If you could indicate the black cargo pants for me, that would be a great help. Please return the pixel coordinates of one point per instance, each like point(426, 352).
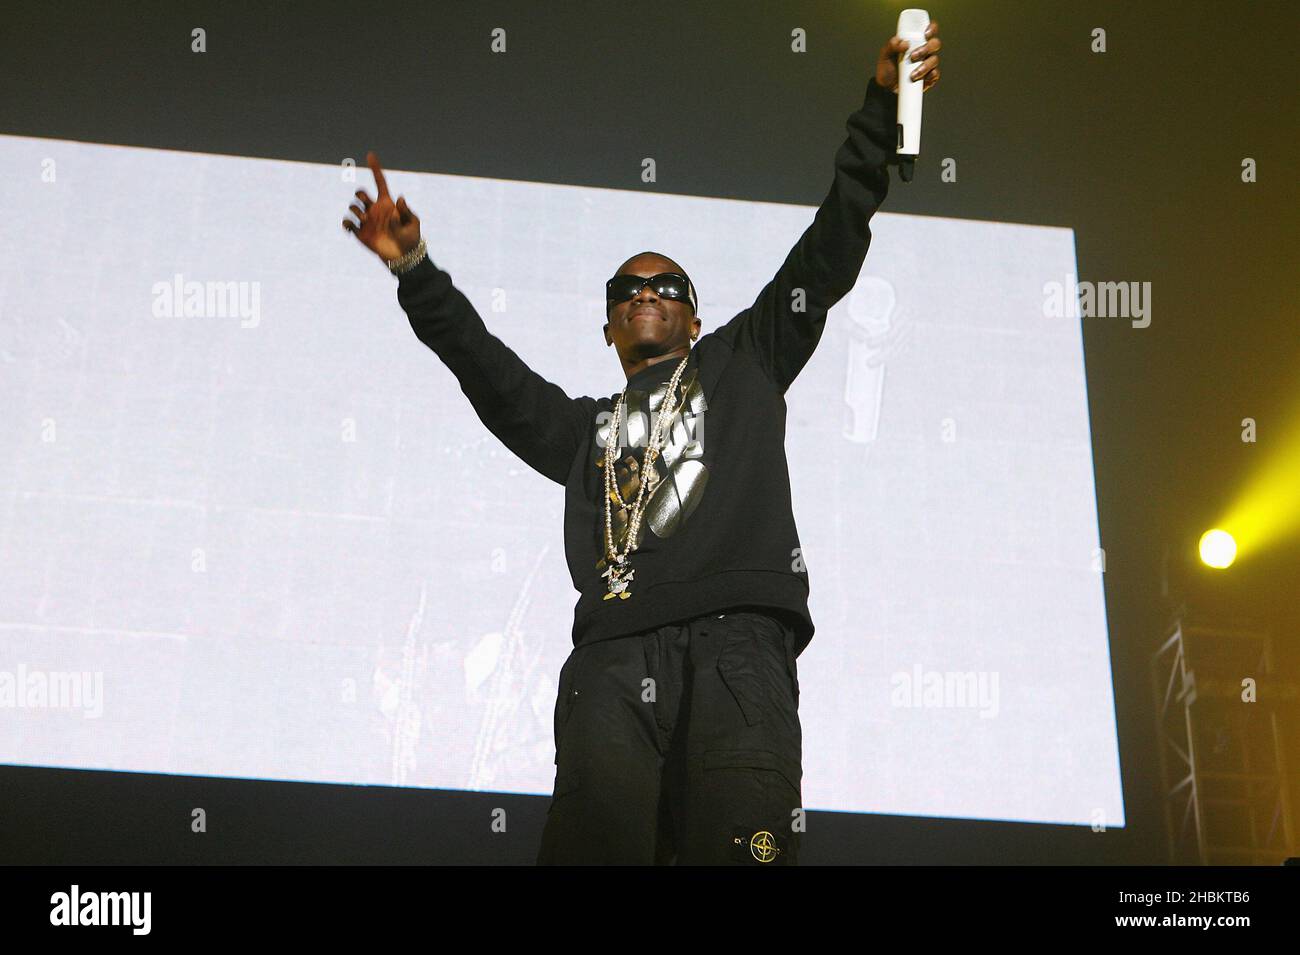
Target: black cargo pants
point(680, 745)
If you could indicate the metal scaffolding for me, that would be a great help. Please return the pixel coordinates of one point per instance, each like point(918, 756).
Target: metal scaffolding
point(1222, 760)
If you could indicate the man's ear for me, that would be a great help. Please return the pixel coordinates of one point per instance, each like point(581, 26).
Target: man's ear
point(606, 331)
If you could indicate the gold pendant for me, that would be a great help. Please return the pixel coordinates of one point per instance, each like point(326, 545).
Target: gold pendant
point(617, 582)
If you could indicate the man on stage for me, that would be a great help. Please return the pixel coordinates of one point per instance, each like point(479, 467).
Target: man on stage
point(677, 728)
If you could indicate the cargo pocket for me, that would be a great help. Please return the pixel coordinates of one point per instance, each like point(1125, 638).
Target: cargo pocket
point(739, 677)
point(755, 799)
point(757, 664)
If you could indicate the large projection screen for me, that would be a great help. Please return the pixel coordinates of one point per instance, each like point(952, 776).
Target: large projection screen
point(272, 540)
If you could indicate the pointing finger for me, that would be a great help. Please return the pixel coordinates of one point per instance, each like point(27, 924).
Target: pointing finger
point(380, 182)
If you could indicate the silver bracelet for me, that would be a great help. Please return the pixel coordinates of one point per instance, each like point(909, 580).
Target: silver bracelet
point(410, 260)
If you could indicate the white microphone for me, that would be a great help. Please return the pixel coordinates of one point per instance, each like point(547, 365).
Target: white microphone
point(911, 27)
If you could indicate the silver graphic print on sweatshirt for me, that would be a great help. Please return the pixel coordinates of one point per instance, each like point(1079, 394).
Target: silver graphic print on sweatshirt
point(677, 478)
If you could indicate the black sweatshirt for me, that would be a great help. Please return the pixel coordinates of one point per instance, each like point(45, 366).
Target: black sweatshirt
point(718, 531)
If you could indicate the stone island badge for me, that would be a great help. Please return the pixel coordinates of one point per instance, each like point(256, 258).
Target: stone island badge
point(760, 847)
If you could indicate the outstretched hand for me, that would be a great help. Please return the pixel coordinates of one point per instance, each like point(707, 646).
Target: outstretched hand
point(388, 229)
point(927, 53)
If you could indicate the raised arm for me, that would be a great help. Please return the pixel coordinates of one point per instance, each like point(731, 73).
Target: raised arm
point(785, 323)
point(532, 417)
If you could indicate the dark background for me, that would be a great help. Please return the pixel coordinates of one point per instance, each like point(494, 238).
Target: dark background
point(1138, 150)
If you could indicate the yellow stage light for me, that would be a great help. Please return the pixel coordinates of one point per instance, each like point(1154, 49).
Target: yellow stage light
point(1218, 549)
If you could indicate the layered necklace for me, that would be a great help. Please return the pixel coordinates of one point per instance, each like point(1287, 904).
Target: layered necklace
point(619, 572)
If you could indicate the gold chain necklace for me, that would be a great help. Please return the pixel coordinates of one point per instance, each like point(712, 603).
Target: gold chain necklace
point(618, 572)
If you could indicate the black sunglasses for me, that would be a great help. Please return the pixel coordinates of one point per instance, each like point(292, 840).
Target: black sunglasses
point(672, 285)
